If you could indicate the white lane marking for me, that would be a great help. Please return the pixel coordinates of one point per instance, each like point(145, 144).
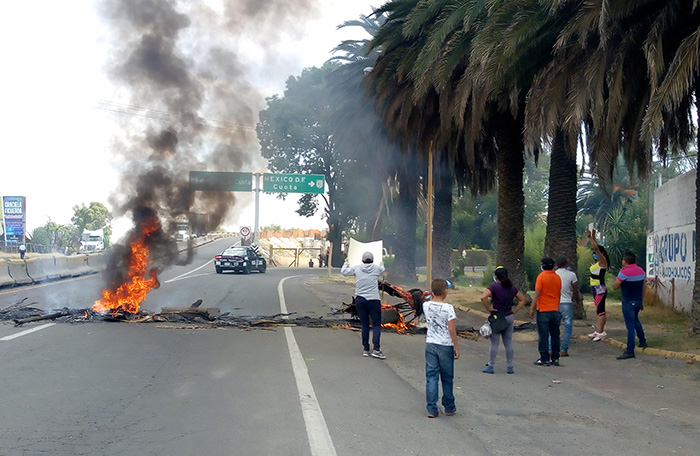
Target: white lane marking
point(320, 440)
point(195, 269)
point(28, 331)
point(188, 272)
point(190, 277)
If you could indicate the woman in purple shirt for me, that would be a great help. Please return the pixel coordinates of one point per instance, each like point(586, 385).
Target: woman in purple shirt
point(502, 293)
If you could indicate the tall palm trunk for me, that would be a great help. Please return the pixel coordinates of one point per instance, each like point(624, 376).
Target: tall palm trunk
point(404, 267)
point(695, 305)
point(511, 199)
point(442, 221)
point(561, 213)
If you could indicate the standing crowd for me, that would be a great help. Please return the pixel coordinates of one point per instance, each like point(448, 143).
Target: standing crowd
point(556, 291)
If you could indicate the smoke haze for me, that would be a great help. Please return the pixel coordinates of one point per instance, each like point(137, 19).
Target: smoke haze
point(187, 69)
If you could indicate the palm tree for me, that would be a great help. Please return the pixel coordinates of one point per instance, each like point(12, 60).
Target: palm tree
point(412, 121)
point(484, 55)
point(672, 51)
point(474, 137)
point(400, 175)
point(359, 135)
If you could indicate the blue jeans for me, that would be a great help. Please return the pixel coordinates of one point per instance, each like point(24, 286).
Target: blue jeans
point(367, 309)
point(439, 364)
point(548, 332)
point(630, 312)
point(566, 309)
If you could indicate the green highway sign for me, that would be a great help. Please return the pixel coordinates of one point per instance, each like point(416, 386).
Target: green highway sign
point(221, 181)
point(293, 183)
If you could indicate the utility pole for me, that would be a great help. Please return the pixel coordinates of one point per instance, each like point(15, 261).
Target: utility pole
point(257, 207)
point(429, 247)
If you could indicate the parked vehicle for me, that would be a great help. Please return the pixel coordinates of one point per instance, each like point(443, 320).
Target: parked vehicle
point(239, 259)
point(92, 241)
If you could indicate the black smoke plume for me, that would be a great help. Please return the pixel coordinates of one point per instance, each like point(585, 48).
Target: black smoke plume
point(181, 68)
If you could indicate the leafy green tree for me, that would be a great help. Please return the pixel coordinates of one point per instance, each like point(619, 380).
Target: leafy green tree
point(55, 236)
point(474, 222)
point(296, 136)
point(93, 217)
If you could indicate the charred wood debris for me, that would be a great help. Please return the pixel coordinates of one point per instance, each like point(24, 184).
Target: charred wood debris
point(195, 317)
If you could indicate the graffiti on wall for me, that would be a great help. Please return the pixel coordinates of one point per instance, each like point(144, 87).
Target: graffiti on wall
point(674, 254)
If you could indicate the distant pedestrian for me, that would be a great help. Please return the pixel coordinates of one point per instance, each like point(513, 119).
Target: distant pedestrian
point(22, 250)
point(367, 301)
point(502, 293)
point(598, 287)
point(441, 350)
point(631, 282)
point(320, 260)
point(567, 298)
point(546, 302)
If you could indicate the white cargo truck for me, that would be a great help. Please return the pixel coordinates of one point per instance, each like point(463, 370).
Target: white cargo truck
point(92, 241)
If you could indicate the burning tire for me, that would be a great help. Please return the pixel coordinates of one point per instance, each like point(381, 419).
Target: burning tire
point(390, 316)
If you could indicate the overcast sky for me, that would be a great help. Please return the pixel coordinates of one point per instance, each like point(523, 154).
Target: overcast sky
point(56, 141)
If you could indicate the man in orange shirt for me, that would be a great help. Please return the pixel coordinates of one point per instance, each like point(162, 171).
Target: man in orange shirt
point(546, 301)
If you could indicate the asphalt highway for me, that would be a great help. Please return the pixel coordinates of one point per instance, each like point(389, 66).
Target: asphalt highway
point(155, 389)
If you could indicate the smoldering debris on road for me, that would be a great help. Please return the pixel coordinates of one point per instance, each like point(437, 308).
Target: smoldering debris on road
point(22, 312)
point(209, 317)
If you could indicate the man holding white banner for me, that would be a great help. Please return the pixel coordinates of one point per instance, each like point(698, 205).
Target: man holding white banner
point(367, 300)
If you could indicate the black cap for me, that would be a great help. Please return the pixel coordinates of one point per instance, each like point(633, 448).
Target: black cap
point(547, 263)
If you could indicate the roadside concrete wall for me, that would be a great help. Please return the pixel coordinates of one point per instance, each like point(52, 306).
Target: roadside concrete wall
point(42, 268)
point(97, 262)
point(18, 271)
point(6, 279)
point(671, 245)
point(39, 269)
point(75, 266)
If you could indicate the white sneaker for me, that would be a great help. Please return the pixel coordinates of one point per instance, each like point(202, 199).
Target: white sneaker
point(593, 334)
point(599, 336)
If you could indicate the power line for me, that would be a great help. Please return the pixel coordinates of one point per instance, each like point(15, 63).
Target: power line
point(165, 115)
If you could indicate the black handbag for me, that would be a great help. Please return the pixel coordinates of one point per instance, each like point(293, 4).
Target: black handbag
point(498, 322)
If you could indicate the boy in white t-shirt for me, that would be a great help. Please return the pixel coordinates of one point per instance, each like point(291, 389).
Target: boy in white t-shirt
point(441, 349)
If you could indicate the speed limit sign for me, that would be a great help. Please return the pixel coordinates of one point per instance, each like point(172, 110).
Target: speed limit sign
point(245, 231)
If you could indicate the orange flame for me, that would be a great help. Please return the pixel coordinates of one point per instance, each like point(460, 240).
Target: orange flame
point(400, 326)
point(130, 294)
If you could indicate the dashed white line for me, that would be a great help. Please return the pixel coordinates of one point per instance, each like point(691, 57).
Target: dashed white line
point(320, 440)
point(188, 272)
point(28, 331)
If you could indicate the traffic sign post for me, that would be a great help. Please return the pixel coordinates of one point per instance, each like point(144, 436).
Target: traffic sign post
point(221, 181)
point(245, 231)
point(294, 183)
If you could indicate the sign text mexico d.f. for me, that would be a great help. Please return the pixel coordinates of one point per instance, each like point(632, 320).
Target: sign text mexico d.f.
point(293, 183)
